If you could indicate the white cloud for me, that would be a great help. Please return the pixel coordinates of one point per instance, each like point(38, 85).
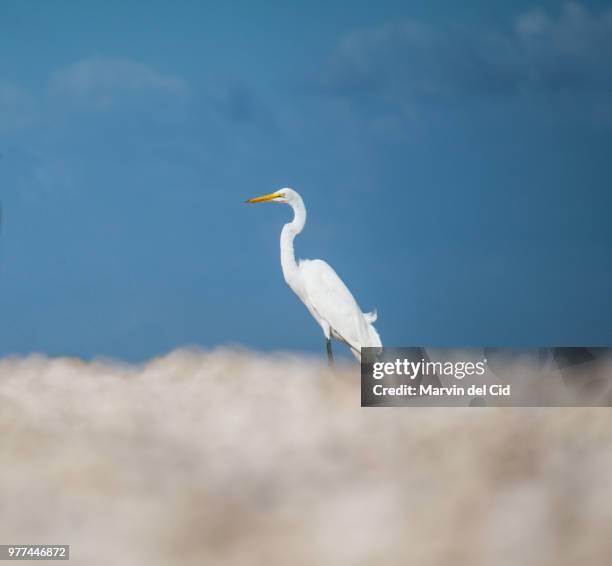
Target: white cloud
point(533, 22)
point(570, 51)
point(102, 81)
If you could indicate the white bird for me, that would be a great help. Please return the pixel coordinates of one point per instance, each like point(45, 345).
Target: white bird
point(318, 286)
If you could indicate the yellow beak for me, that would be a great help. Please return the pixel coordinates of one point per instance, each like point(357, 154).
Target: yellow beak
point(264, 198)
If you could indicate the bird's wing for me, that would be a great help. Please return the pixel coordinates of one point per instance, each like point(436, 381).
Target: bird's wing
point(334, 303)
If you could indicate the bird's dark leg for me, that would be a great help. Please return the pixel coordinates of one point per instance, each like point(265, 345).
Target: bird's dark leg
point(330, 355)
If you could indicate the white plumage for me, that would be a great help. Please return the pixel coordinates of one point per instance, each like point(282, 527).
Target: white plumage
point(318, 286)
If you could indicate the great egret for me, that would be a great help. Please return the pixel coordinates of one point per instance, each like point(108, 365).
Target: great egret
point(318, 286)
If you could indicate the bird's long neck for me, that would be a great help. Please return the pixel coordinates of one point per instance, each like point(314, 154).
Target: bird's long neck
point(288, 234)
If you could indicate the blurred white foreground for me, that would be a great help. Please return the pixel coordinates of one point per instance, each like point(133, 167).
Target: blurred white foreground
point(238, 458)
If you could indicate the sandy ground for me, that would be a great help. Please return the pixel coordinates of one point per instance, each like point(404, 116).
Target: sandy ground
point(237, 458)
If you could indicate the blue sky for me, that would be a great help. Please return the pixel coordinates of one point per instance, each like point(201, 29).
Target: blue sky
point(455, 159)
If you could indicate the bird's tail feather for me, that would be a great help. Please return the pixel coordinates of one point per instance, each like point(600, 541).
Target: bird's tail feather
point(370, 316)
